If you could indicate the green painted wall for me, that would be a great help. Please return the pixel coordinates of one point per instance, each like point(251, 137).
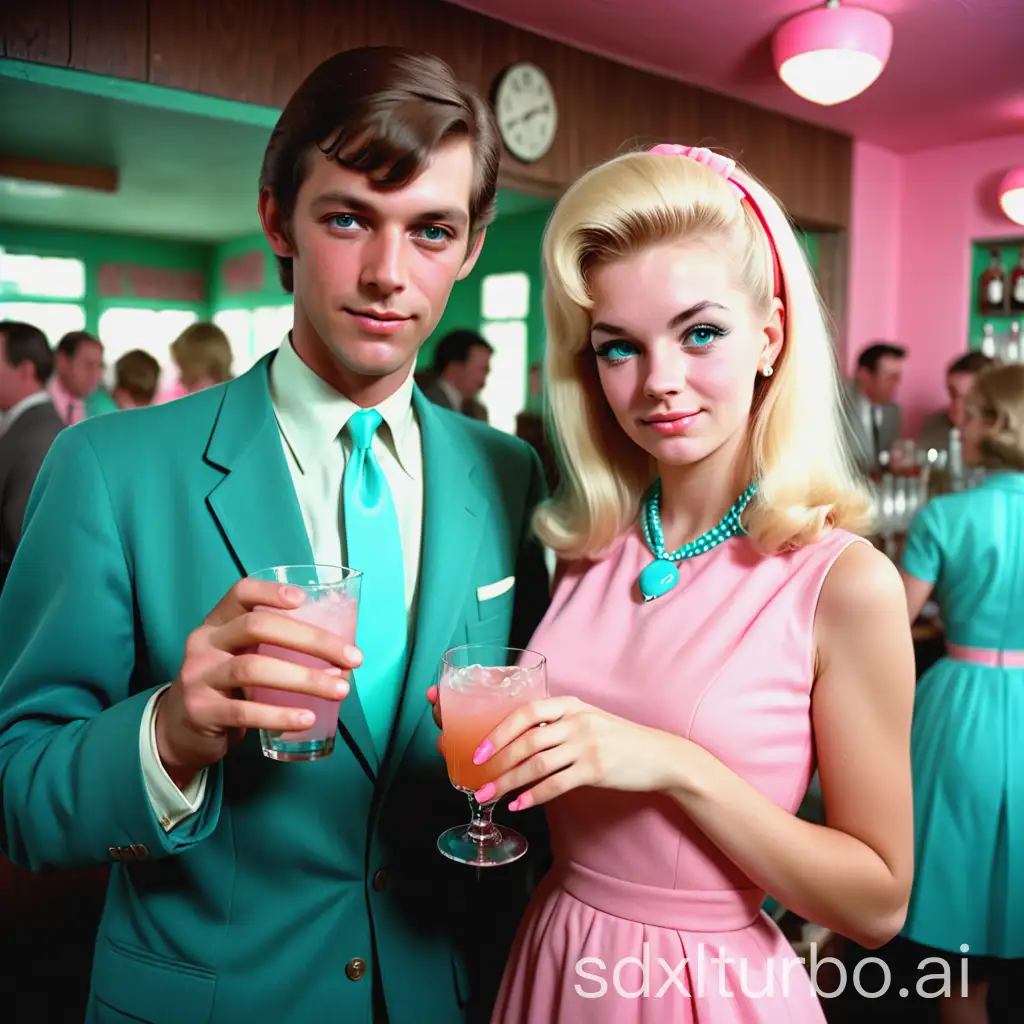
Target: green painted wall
point(512, 244)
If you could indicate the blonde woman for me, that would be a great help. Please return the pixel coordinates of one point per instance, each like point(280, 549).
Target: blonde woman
point(968, 733)
point(202, 354)
point(716, 631)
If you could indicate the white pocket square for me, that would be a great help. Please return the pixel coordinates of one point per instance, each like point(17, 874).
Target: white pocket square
point(491, 590)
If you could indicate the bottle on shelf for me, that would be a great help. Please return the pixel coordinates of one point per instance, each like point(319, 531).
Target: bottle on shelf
point(988, 341)
point(1013, 351)
point(955, 466)
point(1017, 285)
point(992, 286)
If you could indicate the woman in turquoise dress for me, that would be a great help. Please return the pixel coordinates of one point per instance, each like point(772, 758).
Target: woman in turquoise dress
point(968, 728)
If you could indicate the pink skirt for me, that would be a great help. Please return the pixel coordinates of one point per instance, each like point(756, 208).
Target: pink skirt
point(599, 950)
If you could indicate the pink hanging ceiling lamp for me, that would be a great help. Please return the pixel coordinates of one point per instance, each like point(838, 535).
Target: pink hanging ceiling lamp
point(1011, 195)
point(832, 53)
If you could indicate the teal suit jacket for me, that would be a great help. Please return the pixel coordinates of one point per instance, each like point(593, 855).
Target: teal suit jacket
point(252, 909)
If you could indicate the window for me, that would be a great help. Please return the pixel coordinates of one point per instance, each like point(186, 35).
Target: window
point(254, 332)
point(124, 328)
point(270, 325)
point(505, 297)
point(37, 276)
point(54, 319)
point(237, 325)
point(32, 289)
point(505, 305)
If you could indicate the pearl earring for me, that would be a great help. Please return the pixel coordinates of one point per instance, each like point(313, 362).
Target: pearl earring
point(767, 370)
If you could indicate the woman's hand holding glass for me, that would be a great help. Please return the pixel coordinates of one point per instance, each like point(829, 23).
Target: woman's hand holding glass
point(559, 744)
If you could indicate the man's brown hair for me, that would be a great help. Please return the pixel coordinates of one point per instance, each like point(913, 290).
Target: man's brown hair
point(382, 111)
point(137, 373)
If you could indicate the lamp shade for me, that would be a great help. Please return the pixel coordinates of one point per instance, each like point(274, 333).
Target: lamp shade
point(1011, 195)
point(831, 54)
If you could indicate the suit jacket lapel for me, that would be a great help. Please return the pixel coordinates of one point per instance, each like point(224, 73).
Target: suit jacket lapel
point(257, 511)
point(454, 510)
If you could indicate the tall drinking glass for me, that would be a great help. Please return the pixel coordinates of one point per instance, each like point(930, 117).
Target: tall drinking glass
point(480, 686)
point(331, 603)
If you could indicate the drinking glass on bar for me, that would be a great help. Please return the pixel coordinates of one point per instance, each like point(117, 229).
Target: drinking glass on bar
point(480, 686)
point(332, 604)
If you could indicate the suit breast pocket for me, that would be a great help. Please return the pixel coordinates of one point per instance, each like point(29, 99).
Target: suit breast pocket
point(494, 604)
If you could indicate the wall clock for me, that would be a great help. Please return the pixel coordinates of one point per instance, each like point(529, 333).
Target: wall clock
point(524, 103)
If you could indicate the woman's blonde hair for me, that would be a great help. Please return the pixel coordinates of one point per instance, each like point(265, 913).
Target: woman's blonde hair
point(998, 396)
point(203, 353)
point(798, 438)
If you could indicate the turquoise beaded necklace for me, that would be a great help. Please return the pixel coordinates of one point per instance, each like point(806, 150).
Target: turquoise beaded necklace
point(662, 575)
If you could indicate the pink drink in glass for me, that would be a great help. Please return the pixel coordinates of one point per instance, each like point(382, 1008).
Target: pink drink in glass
point(333, 611)
point(480, 686)
point(470, 713)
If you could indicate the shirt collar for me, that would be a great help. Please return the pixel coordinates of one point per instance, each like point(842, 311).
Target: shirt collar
point(63, 400)
point(311, 414)
point(453, 393)
point(1005, 479)
point(8, 418)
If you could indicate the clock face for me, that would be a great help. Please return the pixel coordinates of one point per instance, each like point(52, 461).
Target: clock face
point(527, 116)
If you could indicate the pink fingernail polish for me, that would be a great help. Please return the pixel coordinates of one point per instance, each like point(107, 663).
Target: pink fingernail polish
point(521, 802)
point(485, 793)
point(514, 806)
point(483, 752)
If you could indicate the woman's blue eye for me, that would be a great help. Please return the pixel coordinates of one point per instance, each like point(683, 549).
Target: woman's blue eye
point(616, 351)
point(703, 335)
point(343, 220)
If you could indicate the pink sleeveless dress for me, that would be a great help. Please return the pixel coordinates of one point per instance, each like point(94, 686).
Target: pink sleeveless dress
point(642, 920)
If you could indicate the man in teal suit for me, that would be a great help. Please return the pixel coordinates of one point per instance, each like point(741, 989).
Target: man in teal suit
point(243, 889)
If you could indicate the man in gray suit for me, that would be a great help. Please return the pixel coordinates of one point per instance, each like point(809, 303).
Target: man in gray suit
point(462, 361)
point(27, 429)
point(873, 415)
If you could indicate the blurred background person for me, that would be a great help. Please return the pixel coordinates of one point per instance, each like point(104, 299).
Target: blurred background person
point(79, 370)
point(960, 377)
point(30, 423)
point(136, 376)
point(873, 413)
point(967, 756)
point(202, 355)
point(462, 361)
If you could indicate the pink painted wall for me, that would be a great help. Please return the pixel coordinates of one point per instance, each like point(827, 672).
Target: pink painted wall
point(874, 250)
point(914, 219)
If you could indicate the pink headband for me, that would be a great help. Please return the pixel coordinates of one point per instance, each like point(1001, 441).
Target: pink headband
point(724, 167)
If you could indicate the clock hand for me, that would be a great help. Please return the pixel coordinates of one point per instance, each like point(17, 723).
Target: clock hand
point(536, 111)
point(526, 117)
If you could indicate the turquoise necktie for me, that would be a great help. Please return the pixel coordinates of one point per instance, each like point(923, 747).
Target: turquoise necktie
point(374, 547)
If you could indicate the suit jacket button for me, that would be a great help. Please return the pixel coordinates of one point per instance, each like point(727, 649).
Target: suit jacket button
point(141, 852)
point(355, 968)
point(114, 852)
point(380, 880)
point(127, 853)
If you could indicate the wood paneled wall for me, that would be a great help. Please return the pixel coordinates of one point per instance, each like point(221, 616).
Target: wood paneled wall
point(258, 51)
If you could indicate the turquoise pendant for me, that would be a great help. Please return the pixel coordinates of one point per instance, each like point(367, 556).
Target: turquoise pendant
point(658, 578)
